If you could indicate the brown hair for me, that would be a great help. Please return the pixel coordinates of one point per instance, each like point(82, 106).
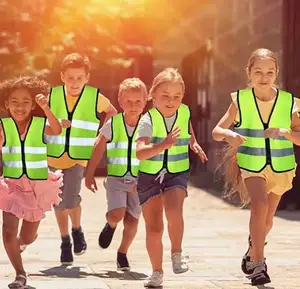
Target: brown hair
point(231, 173)
point(167, 75)
point(261, 53)
point(75, 60)
point(132, 84)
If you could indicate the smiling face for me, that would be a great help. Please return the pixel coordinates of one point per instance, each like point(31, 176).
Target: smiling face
point(263, 74)
point(20, 105)
point(75, 79)
point(168, 96)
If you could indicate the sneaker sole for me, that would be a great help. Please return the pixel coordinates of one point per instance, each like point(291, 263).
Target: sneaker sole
point(153, 286)
point(79, 253)
point(67, 263)
point(124, 269)
point(181, 271)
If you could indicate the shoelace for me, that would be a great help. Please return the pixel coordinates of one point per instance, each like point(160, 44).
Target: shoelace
point(259, 269)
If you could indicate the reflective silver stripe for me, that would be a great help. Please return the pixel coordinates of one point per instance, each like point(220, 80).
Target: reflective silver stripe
point(28, 150)
point(35, 150)
point(282, 152)
point(122, 161)
point(120, 145)
point(36, 165)
point(171, 158)
point(252, 151)
point(85, 124)
point(262, 152)
point(247, 132)
point(11, 150)
point(82, 141)
point(54, 139)
point(30, 165)
point(180, 142)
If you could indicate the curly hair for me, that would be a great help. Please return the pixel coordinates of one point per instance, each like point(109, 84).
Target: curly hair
point(33, 84)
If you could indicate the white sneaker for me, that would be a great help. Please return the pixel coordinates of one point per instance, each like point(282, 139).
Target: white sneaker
point(155, 280)
point(179, 263)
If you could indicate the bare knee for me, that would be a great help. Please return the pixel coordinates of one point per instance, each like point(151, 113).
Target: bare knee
point(116, 215)
point(259, 205)
point(174, 215)
point(155, 228)
point(130, 223)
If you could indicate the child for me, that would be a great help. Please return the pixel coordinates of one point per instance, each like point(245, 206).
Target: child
point(163, 139)
point(118, 135)
point(261, 162)
point(27, 188)
point(78, 106)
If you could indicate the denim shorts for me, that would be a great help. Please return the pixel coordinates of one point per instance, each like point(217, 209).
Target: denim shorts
point(150, 186)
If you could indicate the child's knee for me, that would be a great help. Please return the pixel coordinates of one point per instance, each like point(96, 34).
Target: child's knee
point(116, 215)
point(155, 228)
point(130, 222)
point(27, 240)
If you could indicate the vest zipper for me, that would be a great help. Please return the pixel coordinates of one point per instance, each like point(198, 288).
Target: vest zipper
point(129, 155)
point(268, 149)
point(68, 132)
point(165, 161)
point(23, 158)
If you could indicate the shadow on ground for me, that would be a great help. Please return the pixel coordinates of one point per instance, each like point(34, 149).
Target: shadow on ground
point(76, 272)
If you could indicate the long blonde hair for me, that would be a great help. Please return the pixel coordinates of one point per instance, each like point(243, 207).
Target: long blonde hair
point(231, 173)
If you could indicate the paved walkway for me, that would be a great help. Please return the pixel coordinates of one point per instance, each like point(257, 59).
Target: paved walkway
point(215, 238)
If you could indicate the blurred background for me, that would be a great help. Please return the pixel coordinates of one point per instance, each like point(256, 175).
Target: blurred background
point(208, 41)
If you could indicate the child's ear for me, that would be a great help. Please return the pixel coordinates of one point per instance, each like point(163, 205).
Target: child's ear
point(33, 105)
point(6, 104)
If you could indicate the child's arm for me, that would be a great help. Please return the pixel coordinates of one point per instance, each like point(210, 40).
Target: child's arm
point(1, 136)
point(145, 150)
point(97, 154)
point(110, 110)
point(195, 147)
point(222, 132)
point(54, 127)
point(292, 134)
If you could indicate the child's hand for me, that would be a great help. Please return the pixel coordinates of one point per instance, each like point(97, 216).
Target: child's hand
point(65, 123)
point(42, 100)
point(197, 149)
point(234, 139)
point(90, 183)
point(133, 190)
point(172, 137)
point(275, 132)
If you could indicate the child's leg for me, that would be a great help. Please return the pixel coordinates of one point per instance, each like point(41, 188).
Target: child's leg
point(28, 232)
point(273, 202)
point(173, 203)
point(11, 242)
point(256, 187)
point(115, 216)
point(153, 216)
point(129, 232)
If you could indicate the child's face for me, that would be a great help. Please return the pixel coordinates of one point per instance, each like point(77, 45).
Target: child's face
point(20, 104)
point(263, 74)
point(133, 102)
point(168, 97)
point(75, 79)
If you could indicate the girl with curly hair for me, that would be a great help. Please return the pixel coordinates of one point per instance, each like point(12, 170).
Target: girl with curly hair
point(27, 188)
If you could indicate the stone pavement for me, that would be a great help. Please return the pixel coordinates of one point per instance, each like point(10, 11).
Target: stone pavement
point(215, 238)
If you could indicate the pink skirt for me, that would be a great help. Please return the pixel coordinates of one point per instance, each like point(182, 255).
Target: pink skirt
point(28, 199)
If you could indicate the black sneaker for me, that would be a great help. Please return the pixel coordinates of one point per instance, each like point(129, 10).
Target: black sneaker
point(106, 236)
point(122, 262)
point(247, 265)
point(260, 275)
point(66, 256)
point(80, 245)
